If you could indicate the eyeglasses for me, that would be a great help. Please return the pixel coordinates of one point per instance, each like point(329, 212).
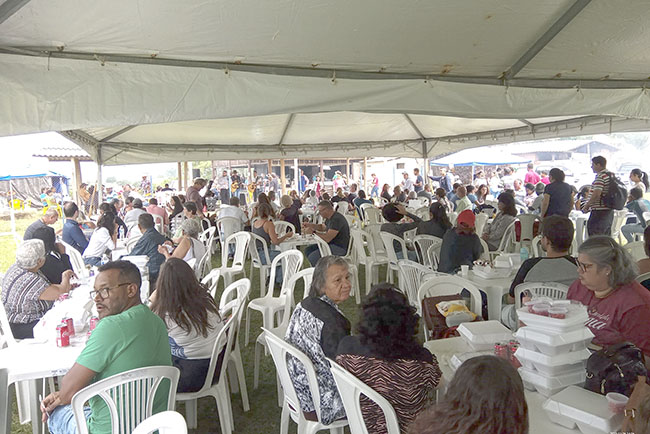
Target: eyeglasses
point(103, 292)
point(584, 267)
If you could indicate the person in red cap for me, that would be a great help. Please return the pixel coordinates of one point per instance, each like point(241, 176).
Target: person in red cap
point(460, 245)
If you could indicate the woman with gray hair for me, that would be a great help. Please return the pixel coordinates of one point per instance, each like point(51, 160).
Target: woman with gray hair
point(26, 293)
point(189, 247)
point(618, 306)
point(316, 327)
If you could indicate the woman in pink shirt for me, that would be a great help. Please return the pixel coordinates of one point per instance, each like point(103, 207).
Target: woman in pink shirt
point(618, 306)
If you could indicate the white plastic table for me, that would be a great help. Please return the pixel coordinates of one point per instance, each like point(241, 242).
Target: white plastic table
point(297, 240)
point(538, 421)
point(495, 289)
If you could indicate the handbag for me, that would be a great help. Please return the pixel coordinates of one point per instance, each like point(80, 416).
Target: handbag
point(636, 408)
point(615, 369)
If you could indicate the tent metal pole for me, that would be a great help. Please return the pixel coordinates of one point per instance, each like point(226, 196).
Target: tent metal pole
point(321, 173)
point(283, 178)
point(12, 211)
point(296, 170)
point(9, 8)
point(347, 169)
point(77, 177)
point(365, 176)
point(186, 174)
point(98, 189)
point(180, 175)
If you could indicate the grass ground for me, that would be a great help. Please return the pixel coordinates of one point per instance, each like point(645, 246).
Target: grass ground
point(264, 415)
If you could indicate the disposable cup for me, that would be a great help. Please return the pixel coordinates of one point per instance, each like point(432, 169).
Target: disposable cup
point(464, 270)
point(616, 402)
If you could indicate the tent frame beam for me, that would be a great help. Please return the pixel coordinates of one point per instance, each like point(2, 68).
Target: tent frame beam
point(9, 8)
point(546, 38)
point(117, 133)
point(553, 83)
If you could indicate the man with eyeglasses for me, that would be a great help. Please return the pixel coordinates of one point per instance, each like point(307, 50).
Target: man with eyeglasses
point(128, 336)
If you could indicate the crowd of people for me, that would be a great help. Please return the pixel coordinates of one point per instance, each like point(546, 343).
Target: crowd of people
point(382, 349)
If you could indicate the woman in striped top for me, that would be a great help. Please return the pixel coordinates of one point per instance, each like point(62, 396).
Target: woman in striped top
point(387, 357)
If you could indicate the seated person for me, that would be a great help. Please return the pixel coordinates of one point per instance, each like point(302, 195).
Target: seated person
point(56, 261)
point(460, 245)
point(312, 200)
point(263, 227)
point(557, 266)
point(637, 205)
point(274, 205)
point(393, 213)
point(316, 327)
point(190, 212)
point(26, 293)
point(426, 192)
point(290, 212)
point(335, 232)
point(462, 201)
point(339, 196)
point(387, 356)
point(360, 200)
point(471, 195)
point(103, 238)
point(398, 195)
point(438, 222)
point(189, 247)
point(131, 217)
point(233, 210)
point(644, 264)
point(618, 306)
point(50, 217)
point(148, 245)
point(506, 215)
point(192, 319)
point(72, 233)
point(441, 198)
point(486, 395)
point(128, 336)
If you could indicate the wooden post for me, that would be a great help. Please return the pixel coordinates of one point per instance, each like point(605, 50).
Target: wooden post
point(365, 176)
point(347, 169)
point(297, 174)
point(77, 178)
point(180, 176)
point(214, 169)
point(270, 167)
point(283, 179)
point(186, 175)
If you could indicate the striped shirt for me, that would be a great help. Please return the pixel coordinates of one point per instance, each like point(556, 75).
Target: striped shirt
point(601, 183)
point(21, 290)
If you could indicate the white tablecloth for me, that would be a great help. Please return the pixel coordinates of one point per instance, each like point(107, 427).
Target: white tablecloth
point(538, 421)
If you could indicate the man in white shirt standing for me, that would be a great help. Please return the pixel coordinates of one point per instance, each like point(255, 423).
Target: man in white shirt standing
point(407, 183)
point(223, 184)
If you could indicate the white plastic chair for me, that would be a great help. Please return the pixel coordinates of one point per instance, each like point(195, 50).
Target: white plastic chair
point(269, 305)
point(76, 260)
point(166, 422)
point(203, 266)
point(6, 335)
point(556, 291)
point(411, 276)
point(175, 223)
point(131, 242)
point(256, 260)
point(289, 302)
point(5, 414)
point(128, 396)
point(486, 250)
point(159, 223)
point(219, 391)
point(383, 201)
point(211, 280)
point(370, 260)
point(241, 240)
point(508, 241)
point(619, 220)
point(371, 214)
point(351, 258)
point(422, 212)
point(233, 296)
point(481, 221)
point(282, 227)
point(643, 277)
point(353, 222)
point(452, 217)
point(636, 249)
point(536, 248)
point(341, 206)
point(527, 222)
point(227, 226)
point(450, 285)
point(389, 244)
point(433, 257)
point(291, 406)
point(422, 244)
point(351, 388)
point(206, 235)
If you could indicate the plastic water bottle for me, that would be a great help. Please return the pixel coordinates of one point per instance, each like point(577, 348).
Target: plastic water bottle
point(523, 254)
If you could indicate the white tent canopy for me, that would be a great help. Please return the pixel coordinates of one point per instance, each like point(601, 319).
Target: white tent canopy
point(146, 81)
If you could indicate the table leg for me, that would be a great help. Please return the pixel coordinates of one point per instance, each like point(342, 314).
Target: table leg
point(495, 298)
point(34, 406)
point(5, 416)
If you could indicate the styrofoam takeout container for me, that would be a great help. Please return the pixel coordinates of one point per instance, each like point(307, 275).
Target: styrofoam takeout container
point(548, 386)
point(575, 319)
point(491, 273)
point(553, 365)
point(481, 335)
point(588, 410)
point(458, 359)
point(554, 344)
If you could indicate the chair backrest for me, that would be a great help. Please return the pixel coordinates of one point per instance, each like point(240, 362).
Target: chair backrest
point(176, 221)
point(129, 396)
point(211, 280)
point(383, 201)
point(282, 227)
point(450, 285)
point(341, 206)
point(411, 276)
point(508, 240)
point(289, 301)
point(76, 260)
point(131, 242)
point(159, 223)
point(227, 226)
point(374, 231)
point(433, 257)
point(485, 255)
point(323, 248)
point(636, 249)
point(481, 220)
point(351, 388)
point(280, 349)
point(527, 222)
point(422, 212)
point(452, 217)
point(241, 240)
point(353, 222)
point(359, 240)
point(206, 235)
point(290, 261)
point(235, 294)
point(166, 422)
point(6, 335)
point(643, 277)
point(389, 244)
point(371, 214)
point(203, 266)
point(255, 242)
point(537, 251)
point(556, 291)
point(422, 244)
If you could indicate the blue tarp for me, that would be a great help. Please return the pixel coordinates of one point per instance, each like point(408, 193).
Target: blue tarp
point(479, 157)
point(32, 175)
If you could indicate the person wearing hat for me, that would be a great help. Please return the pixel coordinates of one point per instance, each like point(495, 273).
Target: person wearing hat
point(407, 183)
point(460, 245)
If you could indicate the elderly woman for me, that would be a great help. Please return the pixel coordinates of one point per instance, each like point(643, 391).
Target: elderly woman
point(618, 306)
point(189, 246)
point(387, 356)
point(486, 395)
point(291, 211)
point(506, 215)
point(26, 293)
point(316, 328)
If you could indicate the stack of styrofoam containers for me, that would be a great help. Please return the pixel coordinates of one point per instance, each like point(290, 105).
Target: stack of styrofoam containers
point(588, 410)
point(553, 352)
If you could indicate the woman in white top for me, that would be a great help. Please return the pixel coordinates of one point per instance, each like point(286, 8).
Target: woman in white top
point(104, 237)
point(189, 246)
point(192, 319)
point(639, 179)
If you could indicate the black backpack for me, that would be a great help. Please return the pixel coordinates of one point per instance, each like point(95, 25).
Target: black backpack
point(616, 195)
point(615, 369)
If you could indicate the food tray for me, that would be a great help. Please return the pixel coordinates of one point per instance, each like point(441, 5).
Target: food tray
point(458, 359)
point(548, 386)
point(554, 344)
point(491, 273)
point(553, 365)
point(588, 410)
point(575, 319)
point(481, 335)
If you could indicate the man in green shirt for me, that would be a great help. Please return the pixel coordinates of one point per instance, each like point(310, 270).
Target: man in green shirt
point(128, 336)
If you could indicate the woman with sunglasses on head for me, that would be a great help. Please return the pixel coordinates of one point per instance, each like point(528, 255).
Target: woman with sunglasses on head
point(618, 306)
